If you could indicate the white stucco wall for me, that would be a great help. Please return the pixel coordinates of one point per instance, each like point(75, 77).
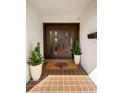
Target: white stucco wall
point(33, 33)
point(93, 75)
point(89, 46)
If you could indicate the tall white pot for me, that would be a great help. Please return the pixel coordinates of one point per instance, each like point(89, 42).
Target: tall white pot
point(36, 72)
point(77, 59)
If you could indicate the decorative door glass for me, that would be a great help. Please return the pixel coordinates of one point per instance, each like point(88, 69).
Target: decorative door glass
point(59, 40)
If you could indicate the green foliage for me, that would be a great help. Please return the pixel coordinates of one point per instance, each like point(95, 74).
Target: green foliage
point(76, 49)
point(36, 57)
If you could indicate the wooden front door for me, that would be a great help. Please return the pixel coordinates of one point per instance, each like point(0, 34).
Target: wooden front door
point(59, 40)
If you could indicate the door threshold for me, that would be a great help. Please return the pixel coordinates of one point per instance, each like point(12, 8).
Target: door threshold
point(59, 60)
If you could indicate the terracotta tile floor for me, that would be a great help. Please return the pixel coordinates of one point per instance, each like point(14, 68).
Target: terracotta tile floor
point(62, 81)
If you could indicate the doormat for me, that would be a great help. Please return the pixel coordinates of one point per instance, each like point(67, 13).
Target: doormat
point(52, 65)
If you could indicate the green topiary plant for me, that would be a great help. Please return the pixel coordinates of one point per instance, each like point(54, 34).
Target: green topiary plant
point(76, 49)
point(36, 57)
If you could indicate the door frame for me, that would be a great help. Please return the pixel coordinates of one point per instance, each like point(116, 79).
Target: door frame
point(44, 33)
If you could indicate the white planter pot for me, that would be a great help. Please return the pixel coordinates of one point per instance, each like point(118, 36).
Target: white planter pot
point(77, 59)
point(36, 72)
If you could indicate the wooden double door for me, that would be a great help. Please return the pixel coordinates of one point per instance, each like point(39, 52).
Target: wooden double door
point(59, 40)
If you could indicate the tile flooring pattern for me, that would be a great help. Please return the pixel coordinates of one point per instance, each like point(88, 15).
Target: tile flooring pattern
point(46, 72)
point(70, 80)
point(64, 72)
point(65, 84)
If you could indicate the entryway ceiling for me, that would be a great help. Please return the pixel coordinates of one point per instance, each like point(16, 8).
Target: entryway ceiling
point(60, 7)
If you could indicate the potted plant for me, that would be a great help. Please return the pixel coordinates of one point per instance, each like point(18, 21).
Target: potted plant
point(36, 61)
point(77, 53)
